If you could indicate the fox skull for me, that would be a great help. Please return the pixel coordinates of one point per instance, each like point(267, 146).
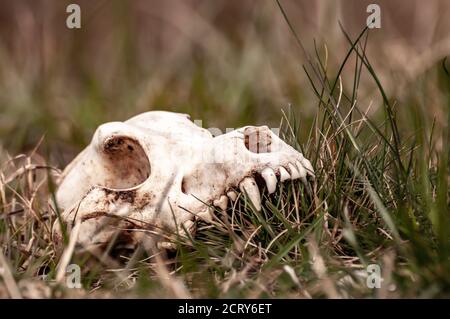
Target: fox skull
point(159, 170)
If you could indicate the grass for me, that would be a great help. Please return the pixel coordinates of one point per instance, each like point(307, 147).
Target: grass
point(380, 197)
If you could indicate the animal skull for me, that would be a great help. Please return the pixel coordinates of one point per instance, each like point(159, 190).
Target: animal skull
point(160, 170)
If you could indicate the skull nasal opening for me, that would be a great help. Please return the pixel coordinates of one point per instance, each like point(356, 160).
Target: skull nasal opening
point(258, 139)
point(127, 163)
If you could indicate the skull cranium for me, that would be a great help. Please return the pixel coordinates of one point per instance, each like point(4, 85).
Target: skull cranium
point(159, 169)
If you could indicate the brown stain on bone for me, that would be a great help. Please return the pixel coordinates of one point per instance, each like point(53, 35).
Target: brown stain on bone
point(92, 215)
point(138, 201)
point(128, 196)
point(143, 200)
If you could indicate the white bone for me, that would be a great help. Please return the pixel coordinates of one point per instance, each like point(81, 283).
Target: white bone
point(301, 171)
point(248, 185)
point(206, 215)
point(294, 172)
point(284, 175)
point(232, 195)
point(222, 202)
point(158, 170)
point(271, 180)
point(307, 164)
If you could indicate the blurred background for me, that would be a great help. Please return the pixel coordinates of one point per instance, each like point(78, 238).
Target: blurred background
point(226, 62)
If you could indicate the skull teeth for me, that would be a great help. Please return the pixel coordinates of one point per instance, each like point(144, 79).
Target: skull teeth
point(166, 245)
point(308, 167)
point(232, 195)
point(294, 171)
point(302, 172)
point(284, 175)
point(271, 180)
point(248, 185)
point(206, 215)
point(188, 225)
point(222, 202)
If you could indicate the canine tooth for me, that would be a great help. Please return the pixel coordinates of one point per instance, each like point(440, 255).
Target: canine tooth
point(284, 175)
point(271, 180)
point(248, 185)
point(294, 172)
point(232, 195)
point(222, 202)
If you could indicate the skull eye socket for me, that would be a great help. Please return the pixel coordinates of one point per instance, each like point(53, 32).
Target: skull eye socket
point(126, 162)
